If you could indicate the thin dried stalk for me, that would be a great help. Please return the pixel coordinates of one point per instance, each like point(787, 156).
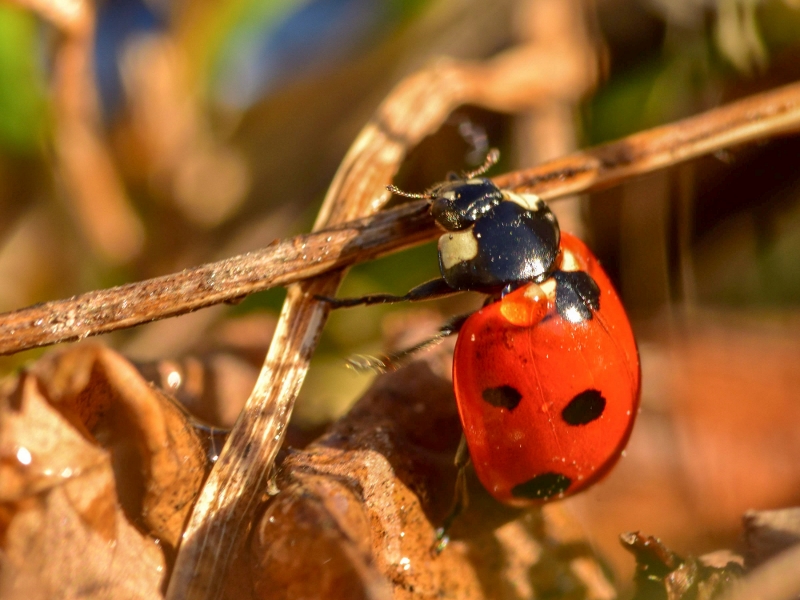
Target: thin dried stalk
point(757, 117)
point(561, 32)
point(287, 261)
point(281, 263)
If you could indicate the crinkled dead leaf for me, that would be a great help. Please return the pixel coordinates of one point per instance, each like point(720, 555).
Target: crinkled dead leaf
point(159, 460)
point(96, 468)
point(64, 534)
point(662, 574)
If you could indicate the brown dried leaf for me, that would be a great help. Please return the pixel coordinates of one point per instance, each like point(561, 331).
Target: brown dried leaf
point(352, 506)
point(88, 451)
point(660, 573)
point(63, 532)
point(159, 460)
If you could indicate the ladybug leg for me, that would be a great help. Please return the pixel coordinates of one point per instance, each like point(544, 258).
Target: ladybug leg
point(391, 362)
point(435, 288)
point(460, 496)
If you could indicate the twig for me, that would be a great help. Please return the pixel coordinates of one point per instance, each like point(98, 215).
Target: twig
point(757, 117)
point(281, 263)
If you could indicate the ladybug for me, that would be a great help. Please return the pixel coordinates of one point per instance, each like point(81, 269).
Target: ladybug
point(546, 374)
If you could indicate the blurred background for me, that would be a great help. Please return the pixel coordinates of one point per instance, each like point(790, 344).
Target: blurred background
point(139, 138)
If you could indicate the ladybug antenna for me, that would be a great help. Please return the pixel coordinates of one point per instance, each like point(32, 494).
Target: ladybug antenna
point(491, 160)
point(396, 190)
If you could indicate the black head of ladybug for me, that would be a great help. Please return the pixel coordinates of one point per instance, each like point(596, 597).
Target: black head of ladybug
point(493, 238)
point(456, 205)
point(460, 201)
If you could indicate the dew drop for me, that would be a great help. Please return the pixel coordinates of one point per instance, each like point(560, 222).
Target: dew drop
point(24, 456)
point(174, 380)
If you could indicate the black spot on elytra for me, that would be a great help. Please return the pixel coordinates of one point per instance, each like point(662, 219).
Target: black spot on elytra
point(542, 486)
point(584, 408)
point(577, 295)
point(503, 396)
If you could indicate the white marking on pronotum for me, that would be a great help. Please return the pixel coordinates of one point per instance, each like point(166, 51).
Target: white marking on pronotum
point(528, 201)
point(456, 247)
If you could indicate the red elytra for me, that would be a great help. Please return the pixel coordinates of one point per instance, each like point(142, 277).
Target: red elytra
point(547, 405)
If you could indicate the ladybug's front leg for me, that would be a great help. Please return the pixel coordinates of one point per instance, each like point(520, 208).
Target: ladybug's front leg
point(435, 288)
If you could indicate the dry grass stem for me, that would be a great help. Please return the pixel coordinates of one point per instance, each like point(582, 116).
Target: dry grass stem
point(280, 263)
